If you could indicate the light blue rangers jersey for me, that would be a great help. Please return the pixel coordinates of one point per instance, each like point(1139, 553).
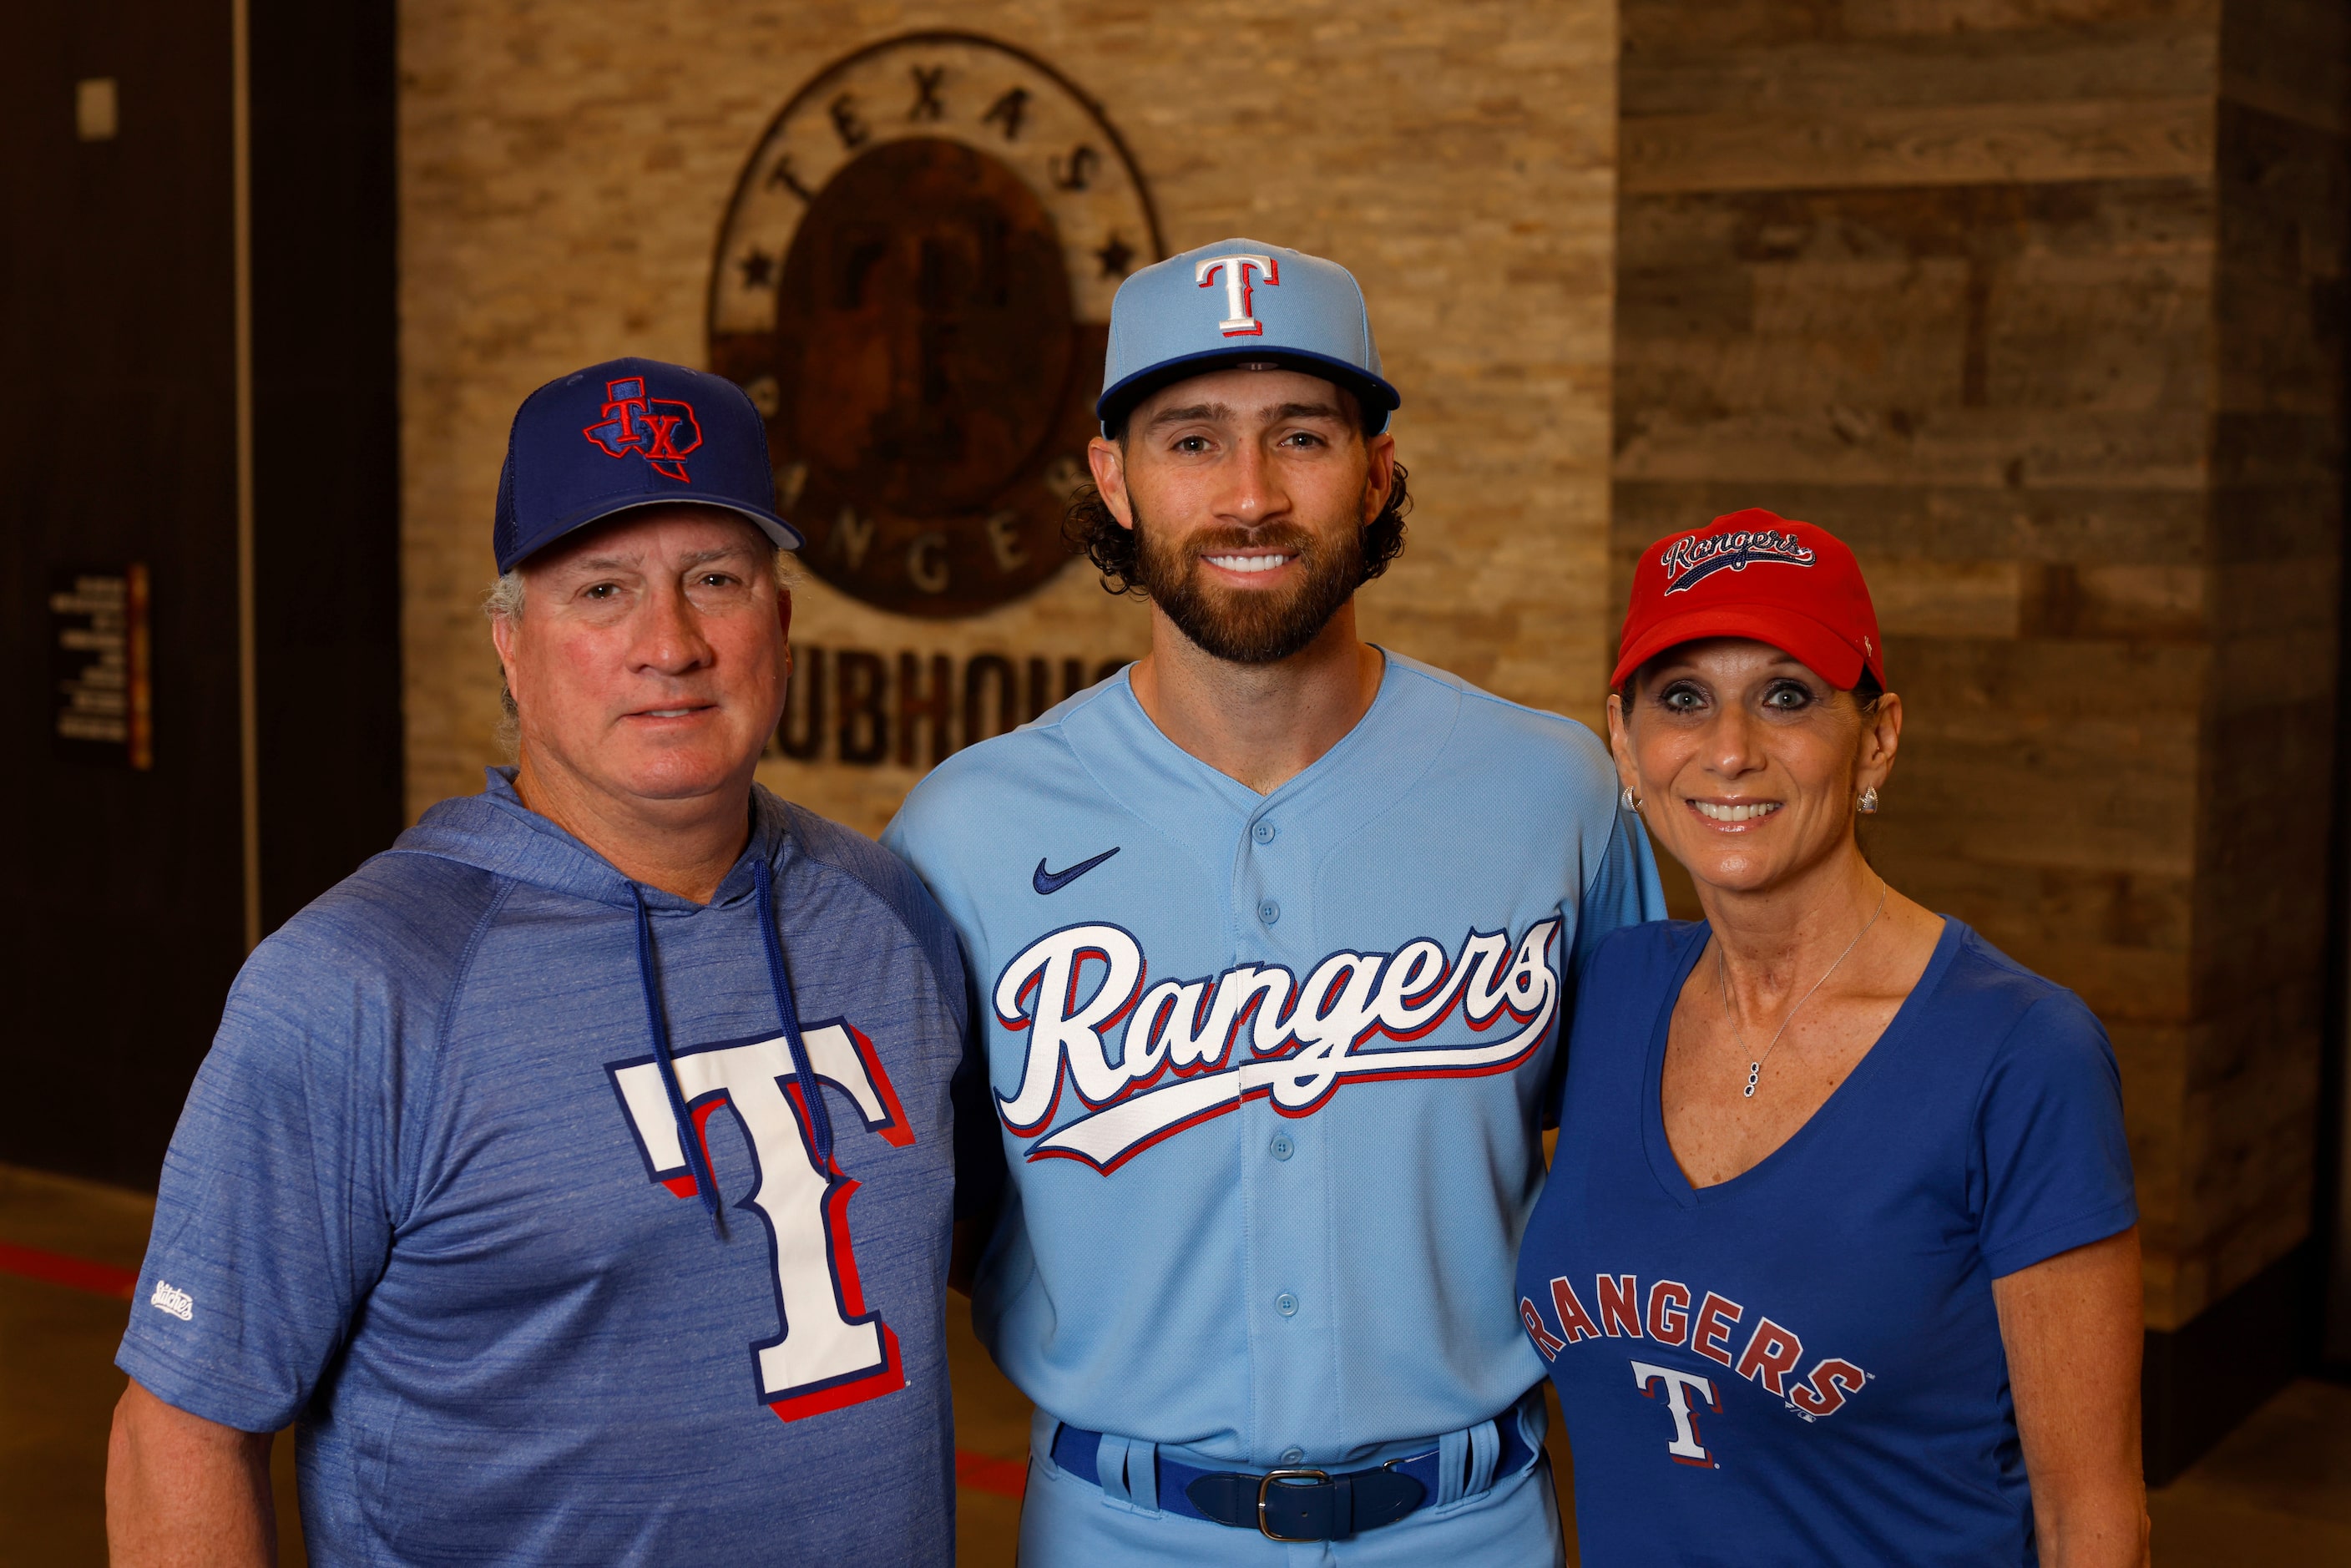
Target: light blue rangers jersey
point(1270, 1070)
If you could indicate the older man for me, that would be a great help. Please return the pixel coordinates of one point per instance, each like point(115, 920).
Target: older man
point(450, 1191)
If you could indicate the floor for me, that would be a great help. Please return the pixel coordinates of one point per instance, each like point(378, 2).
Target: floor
point(2278, 1491)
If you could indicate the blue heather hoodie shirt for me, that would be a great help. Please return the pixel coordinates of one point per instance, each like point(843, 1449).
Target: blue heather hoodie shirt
point(430, 1196)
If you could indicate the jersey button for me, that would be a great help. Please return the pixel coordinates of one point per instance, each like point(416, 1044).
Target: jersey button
point(1269, 912)
point(1292, 1455)
point(1263, 834)
point(1285, 1304)
point(1281, 1148)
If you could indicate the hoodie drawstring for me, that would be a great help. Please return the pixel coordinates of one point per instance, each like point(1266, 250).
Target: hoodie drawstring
point(697, 1159)
point(811, 1091)
point(819, 1117)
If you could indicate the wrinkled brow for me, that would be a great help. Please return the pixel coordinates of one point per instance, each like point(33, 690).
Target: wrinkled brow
point(599, 563)
point(1217, 411)
point(1190, 411)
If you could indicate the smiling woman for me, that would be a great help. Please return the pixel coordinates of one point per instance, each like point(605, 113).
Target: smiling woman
point(1872, 1171)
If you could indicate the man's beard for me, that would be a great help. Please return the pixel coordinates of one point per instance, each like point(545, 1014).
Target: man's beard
point(1249, 626)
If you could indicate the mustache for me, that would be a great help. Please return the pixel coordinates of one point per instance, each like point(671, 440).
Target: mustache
point(1287, 538)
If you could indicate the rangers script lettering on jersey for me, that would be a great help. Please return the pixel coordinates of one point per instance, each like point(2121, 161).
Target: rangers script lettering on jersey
point(1313, 1034)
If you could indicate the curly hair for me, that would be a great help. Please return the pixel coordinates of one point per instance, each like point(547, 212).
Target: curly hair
point(1092, 529)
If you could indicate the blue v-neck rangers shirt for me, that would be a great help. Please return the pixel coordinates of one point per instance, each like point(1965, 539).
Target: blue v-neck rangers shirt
point(1802, 1365)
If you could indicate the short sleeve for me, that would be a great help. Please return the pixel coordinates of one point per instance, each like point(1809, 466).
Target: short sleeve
point(2054, 1163)
point(1623, 891)
point(273, 1217)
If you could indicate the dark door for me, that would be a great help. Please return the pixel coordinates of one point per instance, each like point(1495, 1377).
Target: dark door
point(124, 784)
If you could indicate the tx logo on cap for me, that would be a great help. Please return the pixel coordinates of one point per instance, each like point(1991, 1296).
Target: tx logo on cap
point(1694, 557)
point(1238, 322)
point(660, 430)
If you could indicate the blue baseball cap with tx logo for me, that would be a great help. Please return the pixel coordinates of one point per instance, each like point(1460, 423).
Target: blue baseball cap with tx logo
point(629, 433)
point(1241, 301)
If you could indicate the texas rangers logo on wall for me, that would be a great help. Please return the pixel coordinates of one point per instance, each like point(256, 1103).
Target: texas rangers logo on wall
point(913, 284)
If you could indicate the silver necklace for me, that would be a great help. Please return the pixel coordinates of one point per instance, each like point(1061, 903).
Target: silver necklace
point(1722, 989)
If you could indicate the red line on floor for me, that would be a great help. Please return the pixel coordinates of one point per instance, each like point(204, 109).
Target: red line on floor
point(74, 1273)
point(1005, 1477)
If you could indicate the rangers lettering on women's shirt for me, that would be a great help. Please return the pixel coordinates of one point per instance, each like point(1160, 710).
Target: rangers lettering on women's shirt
point(1307, 1036)
point(1670, 1314)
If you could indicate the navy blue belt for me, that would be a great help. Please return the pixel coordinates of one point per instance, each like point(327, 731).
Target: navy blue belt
point(1295, 1504)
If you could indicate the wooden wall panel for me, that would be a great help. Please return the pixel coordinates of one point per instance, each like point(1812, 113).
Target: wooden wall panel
point(2283, 213)
point(2036, 304)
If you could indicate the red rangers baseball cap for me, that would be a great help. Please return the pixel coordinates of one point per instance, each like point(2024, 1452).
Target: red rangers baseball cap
point(1756, 574)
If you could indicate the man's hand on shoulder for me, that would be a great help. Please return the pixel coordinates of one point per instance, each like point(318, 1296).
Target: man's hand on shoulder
point(185, 1491)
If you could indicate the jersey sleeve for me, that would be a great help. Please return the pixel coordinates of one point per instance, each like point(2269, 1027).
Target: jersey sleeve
point(275, 1213)
point(1624, 889)
point(2054, 1166)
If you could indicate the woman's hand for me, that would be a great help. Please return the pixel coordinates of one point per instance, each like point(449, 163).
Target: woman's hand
point(2073, 1328)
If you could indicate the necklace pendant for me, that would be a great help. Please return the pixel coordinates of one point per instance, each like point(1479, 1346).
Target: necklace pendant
point(1754, 1070)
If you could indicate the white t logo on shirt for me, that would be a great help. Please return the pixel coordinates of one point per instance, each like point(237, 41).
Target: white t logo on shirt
point(830, 1350)
point(1685, 1447)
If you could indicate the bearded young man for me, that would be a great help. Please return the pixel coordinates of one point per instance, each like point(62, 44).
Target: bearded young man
point(577, 1174)
point(1274, 933)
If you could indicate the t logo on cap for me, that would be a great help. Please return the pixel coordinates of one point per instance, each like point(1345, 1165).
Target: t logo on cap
point(1236, 268)
point(1159, 326)
point(635, 423)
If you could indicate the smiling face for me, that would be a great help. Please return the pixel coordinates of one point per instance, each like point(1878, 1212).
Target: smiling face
point(649, 659)
point(1249, 491)
point(1747, 764)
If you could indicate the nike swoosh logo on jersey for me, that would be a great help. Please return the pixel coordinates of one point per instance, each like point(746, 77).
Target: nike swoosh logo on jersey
point(1050, 881)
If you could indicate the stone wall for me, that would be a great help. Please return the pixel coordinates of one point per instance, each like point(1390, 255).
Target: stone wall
point(2022, 299)
point(565, 171)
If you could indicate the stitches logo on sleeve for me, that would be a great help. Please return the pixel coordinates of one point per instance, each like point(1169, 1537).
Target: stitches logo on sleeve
point(662, 431)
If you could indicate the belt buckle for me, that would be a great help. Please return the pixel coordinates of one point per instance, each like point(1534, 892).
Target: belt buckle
point(1265, 1484)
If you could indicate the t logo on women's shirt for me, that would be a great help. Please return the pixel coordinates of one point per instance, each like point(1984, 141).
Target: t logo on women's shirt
point(1680, 1386)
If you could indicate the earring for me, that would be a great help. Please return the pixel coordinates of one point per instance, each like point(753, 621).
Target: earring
point(1631, 804)
point(1868, 804)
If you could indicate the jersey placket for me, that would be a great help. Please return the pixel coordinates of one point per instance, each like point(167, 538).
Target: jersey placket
point(1284, 1161)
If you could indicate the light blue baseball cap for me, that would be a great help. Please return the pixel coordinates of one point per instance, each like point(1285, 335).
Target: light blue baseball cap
point(1241, 301)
